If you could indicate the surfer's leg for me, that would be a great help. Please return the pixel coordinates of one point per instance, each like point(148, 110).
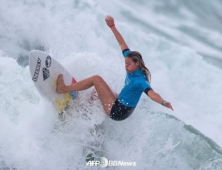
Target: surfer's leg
point(106, 95)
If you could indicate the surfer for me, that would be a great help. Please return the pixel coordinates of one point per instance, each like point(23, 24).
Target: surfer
point(138, 79)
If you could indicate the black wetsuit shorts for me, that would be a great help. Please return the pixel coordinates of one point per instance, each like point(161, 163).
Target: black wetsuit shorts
point(119, 111)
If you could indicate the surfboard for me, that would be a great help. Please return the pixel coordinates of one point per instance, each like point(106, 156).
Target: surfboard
point(44, 70)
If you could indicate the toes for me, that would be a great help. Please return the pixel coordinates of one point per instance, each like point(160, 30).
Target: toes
point(60, 77)
point(59, 83)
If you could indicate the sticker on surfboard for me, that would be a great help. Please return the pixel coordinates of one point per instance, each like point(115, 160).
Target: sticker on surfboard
point(44, 71)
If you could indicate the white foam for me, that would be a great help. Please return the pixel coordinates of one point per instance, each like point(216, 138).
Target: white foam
point(76, 34)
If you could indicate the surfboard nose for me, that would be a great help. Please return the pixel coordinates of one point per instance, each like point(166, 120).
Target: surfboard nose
point(32, 52)
point(31, 55)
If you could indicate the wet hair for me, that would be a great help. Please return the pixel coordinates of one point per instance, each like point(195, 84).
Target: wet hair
point(137, 57)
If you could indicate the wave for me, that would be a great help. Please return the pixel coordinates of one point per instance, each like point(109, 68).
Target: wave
point(178, 47)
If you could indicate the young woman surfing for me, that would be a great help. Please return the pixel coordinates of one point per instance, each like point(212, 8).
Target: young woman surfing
point(137, 81)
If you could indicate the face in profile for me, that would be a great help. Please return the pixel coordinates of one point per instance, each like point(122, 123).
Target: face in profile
point(130, 65)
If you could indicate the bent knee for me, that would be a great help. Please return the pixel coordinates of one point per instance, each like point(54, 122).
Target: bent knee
point(97, 78)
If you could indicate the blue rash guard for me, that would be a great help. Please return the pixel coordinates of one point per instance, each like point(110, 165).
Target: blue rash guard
point(135, 85)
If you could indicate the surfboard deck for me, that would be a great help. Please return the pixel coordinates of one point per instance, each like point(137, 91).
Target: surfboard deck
point(44, 71)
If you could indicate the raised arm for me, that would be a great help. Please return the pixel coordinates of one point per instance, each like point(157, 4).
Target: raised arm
point(157, 98)
point(119, 38)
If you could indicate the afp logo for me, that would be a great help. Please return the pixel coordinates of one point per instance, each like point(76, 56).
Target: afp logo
point(92, 163)
point(102, 162)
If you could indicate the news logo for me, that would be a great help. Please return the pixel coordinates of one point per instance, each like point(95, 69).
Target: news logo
point(104, 162)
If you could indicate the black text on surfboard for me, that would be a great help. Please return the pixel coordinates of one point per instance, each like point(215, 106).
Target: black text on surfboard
point(37, 70)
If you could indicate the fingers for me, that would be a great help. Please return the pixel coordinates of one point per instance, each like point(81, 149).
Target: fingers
point(168, 104)
point(109, 20)
point(171, 107)
point(109, 17)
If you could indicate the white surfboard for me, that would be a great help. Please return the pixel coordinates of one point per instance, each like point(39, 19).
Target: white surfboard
point(44, 71)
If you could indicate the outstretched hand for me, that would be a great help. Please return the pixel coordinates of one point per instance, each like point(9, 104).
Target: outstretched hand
point(109, 20)
point(168, 105)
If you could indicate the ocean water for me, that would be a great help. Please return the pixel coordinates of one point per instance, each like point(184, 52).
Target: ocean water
point(181, 43)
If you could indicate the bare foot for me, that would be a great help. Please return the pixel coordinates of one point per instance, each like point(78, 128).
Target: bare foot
point(60, 84)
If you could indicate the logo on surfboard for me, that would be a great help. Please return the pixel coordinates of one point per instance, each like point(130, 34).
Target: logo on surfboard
point(46, 73)
point(48, 61)
point(37, 70)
